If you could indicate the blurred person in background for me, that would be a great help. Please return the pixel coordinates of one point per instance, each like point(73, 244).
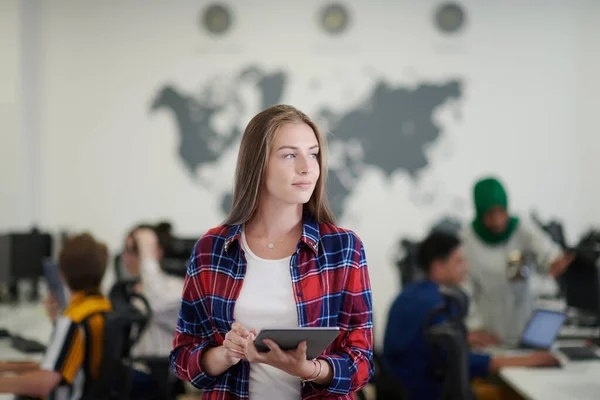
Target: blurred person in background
point(145, 246)
point(406, 353)
point(74, 356)
point(141, 259)
point(502, 299)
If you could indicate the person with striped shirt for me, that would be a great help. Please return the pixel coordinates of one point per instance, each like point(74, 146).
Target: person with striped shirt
point(73, 357)
point(277, 261)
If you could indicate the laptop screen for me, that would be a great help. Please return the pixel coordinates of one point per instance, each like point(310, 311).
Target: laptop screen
point(542, 329)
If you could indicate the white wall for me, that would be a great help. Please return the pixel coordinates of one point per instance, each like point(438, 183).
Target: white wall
point(588, 123)
point(19, 117)
point(107, 162)
point(10, 189)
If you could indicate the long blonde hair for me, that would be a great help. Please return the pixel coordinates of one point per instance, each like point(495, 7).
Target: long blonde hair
point(253, 158)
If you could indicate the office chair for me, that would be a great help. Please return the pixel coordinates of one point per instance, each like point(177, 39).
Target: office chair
point(407, 264)
point(123, 296)
point(554, 229)
point(387, 385)
point(448, 345)
point(122, 329)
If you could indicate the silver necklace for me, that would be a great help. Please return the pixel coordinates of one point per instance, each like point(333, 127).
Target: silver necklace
point(271, 245)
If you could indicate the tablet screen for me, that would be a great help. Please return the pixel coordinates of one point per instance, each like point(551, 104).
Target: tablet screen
point(317, 339)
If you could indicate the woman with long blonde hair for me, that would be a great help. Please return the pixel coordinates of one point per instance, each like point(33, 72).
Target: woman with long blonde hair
point(278, 261)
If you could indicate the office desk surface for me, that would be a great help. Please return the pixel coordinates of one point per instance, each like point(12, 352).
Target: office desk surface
point(29, 321)
point(574, 381)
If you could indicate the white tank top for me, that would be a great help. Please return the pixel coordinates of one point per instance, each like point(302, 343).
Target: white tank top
point(266, 300)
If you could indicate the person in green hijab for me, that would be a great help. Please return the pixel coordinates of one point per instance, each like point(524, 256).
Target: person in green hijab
point(496, 245)
point(492, 224)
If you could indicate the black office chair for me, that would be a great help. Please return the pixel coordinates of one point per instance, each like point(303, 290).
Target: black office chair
point(407, 264)
point(387, 385)
point(554, 229)
point(448, 345)
point(123, 296)
point(122, 329)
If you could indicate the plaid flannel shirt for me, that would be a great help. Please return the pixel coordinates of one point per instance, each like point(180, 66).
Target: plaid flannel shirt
point(331, 286)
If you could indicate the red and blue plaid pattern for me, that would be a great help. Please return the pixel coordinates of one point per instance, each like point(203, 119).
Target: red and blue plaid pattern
point(331, 286)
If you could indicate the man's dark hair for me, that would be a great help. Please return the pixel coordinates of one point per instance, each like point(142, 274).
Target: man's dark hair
point(436, 247)
point(82, 262)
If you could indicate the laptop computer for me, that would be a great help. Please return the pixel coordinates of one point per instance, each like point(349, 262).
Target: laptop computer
point(542, 329)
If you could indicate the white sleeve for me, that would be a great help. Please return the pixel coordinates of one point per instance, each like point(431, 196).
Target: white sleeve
point(162, 291)
point(472, 288)
point(474, 319)
point(540, 243)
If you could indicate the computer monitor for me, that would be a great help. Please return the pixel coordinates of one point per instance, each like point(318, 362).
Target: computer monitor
point(5, 269)
point(180, 248)
point(27, 252)
point(582, 286)
point(177, 256)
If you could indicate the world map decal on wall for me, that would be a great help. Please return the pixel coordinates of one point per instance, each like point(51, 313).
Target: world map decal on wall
point(390, 131)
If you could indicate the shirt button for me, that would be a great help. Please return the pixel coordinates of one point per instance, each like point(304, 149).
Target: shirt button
point(300, 294)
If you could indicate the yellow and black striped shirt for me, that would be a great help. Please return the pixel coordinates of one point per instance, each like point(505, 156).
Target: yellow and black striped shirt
point(76, 347)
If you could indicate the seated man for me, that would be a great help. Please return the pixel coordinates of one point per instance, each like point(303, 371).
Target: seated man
point(405, 351)
point(73, 357)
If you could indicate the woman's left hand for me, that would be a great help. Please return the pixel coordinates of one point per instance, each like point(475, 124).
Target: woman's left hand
point(293, 362)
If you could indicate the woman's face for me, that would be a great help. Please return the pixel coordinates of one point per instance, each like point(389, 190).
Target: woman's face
point(293, 167)
point(496, 219)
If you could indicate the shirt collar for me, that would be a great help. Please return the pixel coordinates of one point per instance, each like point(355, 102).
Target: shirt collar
point(80, 296)
point(311, 234)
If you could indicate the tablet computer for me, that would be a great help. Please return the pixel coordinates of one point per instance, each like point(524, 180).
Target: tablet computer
point(317, 339)
point(55, 284)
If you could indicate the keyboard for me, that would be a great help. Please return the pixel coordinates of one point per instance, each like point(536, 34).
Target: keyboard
point(579, 353)
point(26, 345)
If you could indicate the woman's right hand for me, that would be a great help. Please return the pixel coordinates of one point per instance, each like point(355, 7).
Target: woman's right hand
point(219, 359)
point(235, 343)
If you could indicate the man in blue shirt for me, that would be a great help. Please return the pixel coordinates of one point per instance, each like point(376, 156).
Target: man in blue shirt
point(405, 351)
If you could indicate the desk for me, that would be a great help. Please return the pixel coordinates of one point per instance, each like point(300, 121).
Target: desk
point(8, 353)
point(575, 381)
point(29, 321)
